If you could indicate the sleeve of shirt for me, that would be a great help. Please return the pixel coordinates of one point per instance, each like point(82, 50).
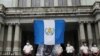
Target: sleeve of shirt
point(31, 47)
point(81, 48)
point(91, 49)
point(61, 49)
point(24, 48)
point(66, 48)
point(73, 48)
point(98, 49)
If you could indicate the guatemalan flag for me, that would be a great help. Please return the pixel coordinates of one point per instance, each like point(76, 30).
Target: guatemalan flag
point(48, 32)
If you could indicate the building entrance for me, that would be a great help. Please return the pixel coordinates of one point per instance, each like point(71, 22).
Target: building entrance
point(71, 35)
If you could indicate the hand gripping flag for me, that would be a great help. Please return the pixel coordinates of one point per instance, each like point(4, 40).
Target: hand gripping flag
point(48, 32)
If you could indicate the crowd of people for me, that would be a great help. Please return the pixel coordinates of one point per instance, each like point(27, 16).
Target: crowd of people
point(56, 50)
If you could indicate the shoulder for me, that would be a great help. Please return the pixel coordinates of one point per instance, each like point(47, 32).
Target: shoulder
point(30, 45)
point(72, 46)
point(25, 46)
point(81, 47)
point(67, 47)
point(86, 47)
point(92, 47)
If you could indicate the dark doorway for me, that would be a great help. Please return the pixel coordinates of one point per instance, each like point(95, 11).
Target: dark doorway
point(71, 35)
point(27, 35)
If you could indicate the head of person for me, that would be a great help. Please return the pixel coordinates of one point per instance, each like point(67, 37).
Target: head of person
point(68, 44)
point(84, 43)
point(94, 45)
point(27, 43)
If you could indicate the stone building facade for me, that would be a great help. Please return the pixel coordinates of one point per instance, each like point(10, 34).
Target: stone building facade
point(16, 23)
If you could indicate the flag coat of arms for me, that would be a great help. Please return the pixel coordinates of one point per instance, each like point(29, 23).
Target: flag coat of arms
point(48, 32)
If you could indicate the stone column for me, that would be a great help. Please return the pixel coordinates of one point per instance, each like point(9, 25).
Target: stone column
point(82, 32)
point(99, 33)
point(1, 38)
point(17, 39)
point(55, 2)
point(42, 3)
point(9, 38)
point(89, 33)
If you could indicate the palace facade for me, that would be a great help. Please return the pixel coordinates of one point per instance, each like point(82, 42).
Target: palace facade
point(82, 21)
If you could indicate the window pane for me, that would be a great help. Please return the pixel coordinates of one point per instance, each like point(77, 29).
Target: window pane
point(35, 3)
point(22, 3)
point(75, 2)
point(51, 2)
point(48, 2)
point(62, 2)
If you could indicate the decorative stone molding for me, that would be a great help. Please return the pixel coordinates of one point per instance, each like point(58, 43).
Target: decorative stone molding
point(96, 8)
point(96, 5)
point(98, 20)
point(80, 22)
point(2, 8)
point(14, 13)
point(89, 22)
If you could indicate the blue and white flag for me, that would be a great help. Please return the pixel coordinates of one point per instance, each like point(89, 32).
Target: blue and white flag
point(48, 32)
